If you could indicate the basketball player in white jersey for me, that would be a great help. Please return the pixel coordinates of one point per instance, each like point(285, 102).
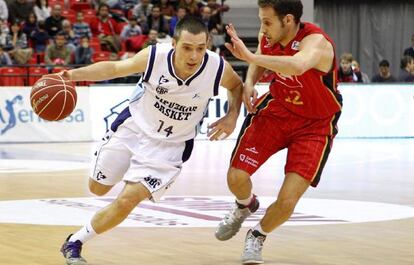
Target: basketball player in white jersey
point(150, 140)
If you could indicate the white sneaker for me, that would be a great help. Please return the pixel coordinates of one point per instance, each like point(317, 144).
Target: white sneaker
point(233, 220)
point(253, 245)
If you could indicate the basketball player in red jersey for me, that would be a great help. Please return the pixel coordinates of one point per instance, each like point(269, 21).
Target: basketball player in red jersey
point(299, 113)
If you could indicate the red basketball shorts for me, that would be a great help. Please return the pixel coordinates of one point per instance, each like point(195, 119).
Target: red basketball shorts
point(274, 128)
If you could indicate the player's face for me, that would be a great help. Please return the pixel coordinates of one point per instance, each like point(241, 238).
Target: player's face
point(189, 50)
point(271, 26)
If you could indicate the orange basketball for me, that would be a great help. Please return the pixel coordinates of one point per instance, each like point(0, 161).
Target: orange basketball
point(53, 97)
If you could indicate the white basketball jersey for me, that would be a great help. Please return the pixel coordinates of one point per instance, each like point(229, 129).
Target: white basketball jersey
point(166, 107)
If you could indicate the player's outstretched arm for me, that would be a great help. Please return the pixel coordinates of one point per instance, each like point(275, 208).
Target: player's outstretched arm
point(226, 125)
point(314, 52)
point(110, 69)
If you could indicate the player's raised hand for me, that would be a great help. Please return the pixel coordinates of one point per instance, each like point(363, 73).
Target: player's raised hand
point(249, 98)
point(237, 46)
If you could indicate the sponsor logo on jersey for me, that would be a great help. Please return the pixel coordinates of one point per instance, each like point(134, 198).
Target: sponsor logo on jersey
point(163, 80)
point(295, 45)
point(174, 110)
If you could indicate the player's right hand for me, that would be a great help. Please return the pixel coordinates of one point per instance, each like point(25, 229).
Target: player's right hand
point(66, 74)
point(249, 98)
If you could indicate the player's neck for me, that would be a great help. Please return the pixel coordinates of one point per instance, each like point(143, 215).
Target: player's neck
point(290, 35)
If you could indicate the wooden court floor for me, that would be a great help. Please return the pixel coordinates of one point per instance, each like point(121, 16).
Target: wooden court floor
point(358, 170)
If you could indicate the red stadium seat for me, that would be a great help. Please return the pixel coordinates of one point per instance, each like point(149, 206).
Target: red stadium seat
point(51, 3)
point(79, 5)
point(101, 56)
point(12, 76)
point(35, 73)
point(95, 46)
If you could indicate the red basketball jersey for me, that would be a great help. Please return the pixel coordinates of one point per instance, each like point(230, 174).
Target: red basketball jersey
point(313, 94)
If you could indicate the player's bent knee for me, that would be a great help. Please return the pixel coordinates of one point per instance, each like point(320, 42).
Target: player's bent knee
point(237, 177)
point(98, 188)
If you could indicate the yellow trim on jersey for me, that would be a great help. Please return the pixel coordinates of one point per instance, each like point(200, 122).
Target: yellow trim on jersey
point(320, 159)
point(330, 91)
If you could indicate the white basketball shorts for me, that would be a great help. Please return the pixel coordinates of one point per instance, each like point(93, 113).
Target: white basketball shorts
point(130, 155)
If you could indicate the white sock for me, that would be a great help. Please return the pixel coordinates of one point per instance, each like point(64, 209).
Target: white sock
point(84, 234)
point(246, 201)
point(259, 228)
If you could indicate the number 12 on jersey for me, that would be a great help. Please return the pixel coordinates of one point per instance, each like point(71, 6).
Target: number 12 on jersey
point(168, 129)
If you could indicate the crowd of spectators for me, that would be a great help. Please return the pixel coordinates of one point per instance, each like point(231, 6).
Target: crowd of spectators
point(58, 33)
point(349, 70)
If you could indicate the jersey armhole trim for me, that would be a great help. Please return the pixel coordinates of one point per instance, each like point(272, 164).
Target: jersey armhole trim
point(219, 75)
point(150, 64)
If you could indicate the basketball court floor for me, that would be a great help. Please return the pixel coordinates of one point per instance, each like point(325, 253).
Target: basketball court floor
point(362, 213)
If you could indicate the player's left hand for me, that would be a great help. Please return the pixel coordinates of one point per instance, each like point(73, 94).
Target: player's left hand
point(237, 46)
point(222, 128)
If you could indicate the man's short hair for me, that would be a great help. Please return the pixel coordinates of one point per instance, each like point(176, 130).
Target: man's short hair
point(384, 63)
point(191, 24)
point(284, 7)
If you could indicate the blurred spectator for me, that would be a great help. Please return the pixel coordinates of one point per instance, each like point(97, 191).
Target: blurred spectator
point(217, 9)
point(106, 29)
point(131, 29)
point(384, 74)
point(192, 6)
point(356, 67)
point(156, 21)
point(152, 38)
point(209, 21)
point(81, 28)
point(4, 31)
point(17, 45)
point(4, 11)
point(42, 10)
point(83, 53)
point(30, 25)
point(4, 57)
point(54, 22)
point(127, 5)
point(132, 35)
point(407, 69)
point(346, 74)
point(181, 12)
point(40, 37)
point(142, 11)
point(19, 9)
point(58, 53)
point(410, 51)
point(167, 9)
point(70, 36)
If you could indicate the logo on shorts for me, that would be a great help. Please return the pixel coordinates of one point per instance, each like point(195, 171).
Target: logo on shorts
point(100, 176)
point(153, 182)
point(248, 160)
point(252, 149)
point(242, 157)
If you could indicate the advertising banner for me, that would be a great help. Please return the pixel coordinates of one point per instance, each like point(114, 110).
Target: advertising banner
point(18, 122)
